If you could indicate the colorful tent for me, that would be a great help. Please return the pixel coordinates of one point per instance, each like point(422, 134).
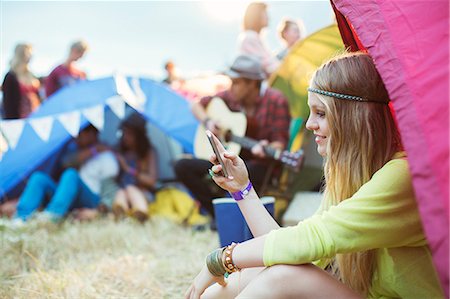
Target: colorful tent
point(303, 59)
point(41, 136)
point(409, 43)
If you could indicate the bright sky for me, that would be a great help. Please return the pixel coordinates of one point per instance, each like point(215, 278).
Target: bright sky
point(136, 38)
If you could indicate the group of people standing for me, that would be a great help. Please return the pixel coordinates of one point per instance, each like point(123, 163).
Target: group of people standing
point(251, 42)
point(23, 92)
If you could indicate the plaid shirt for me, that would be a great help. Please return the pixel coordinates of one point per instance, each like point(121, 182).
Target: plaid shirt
point(271, 116)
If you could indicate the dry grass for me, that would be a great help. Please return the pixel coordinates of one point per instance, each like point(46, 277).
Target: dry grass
point(102, 259)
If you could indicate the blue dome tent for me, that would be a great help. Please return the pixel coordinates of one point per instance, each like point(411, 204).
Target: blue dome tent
point(167, 112)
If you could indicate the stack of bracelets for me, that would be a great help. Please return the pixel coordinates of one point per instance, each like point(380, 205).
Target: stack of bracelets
point(220, 262)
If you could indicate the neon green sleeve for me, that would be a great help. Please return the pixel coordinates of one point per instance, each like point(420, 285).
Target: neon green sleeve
point(381, 214)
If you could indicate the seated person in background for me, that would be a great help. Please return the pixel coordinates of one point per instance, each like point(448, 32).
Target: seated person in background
point(138, 170)
point(268, 121)
point(290, 31)
point(67, 74)
point(76, 188)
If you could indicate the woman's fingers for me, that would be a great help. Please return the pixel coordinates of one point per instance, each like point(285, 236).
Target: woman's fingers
point(217, 168)
point(213, 159)
point(220, 180)
point(232, 156)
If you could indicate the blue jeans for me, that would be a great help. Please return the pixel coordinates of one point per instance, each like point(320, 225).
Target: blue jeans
point(70, 193)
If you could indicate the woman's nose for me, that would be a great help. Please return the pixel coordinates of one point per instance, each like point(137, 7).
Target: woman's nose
point(311, 124)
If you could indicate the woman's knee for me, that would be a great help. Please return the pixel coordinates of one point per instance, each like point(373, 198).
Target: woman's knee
point(120, 195)
point(279, 274)
point(132, 189)
point(296, 281)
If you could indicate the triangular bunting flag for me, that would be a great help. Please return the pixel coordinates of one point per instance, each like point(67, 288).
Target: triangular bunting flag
point(12, 130)
point(140, 95)
point(117, 105)
point(3, 146)
point(96, 116)
point(124, 89)
point(42, 126)
point(71, 122)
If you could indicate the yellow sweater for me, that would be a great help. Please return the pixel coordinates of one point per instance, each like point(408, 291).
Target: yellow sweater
point(381, 215)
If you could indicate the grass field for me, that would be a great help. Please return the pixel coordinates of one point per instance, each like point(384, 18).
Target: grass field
point(102, 259)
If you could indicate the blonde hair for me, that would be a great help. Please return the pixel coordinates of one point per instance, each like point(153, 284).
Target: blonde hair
point(19, 57)
point(363, 137)
point(252, 17)
point(79, 45)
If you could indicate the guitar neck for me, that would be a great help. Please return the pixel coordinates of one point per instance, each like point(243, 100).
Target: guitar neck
point(248, 143)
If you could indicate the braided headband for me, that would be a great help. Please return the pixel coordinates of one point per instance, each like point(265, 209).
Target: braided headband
point(342, 96)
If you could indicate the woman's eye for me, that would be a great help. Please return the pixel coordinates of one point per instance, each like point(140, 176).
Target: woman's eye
point(320, 113)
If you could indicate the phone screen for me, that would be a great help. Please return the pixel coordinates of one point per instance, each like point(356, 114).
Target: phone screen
point(216, 152)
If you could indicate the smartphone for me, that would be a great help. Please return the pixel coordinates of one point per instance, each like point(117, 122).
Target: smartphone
point(216, 152)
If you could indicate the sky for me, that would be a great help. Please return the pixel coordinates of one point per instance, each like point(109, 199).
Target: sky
point(136, 38)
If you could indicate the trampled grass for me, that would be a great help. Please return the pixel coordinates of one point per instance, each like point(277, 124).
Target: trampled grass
point(102, 259)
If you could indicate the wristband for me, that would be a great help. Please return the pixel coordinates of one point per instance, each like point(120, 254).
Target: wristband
point(239, 195)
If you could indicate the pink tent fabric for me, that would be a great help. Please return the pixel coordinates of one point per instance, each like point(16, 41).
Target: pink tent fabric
point(409, 43)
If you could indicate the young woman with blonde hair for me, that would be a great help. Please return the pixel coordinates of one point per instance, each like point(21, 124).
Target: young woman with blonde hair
point(367, 233)
point(250, 41)
point(20, 87)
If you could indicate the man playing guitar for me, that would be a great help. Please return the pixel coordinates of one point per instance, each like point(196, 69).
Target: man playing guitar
point(268, 121)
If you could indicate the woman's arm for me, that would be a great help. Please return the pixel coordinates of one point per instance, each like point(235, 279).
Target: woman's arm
point(149, 178)
point(258, 219)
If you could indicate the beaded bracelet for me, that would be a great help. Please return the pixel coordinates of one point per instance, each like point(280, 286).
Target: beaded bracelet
point(228, 259)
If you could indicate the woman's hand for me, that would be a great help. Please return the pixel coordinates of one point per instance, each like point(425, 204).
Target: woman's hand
point(201, 282)
point(237, 178)
point(123, 164)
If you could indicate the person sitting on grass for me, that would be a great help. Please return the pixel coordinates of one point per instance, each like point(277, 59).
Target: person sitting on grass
point(367, 233)
point(87, 163)
point(138, 170)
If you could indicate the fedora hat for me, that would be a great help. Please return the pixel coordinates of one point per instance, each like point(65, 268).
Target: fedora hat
point(245, 66)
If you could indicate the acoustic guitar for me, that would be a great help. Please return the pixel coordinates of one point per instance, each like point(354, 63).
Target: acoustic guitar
point(233, 126)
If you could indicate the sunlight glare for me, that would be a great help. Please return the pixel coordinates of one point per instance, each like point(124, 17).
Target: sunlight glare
point(225, 11)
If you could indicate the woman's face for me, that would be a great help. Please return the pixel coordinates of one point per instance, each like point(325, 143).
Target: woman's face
point(291, 34)
point(317, 122)
point(264, 21)
point(27, 53)
point(128, 138)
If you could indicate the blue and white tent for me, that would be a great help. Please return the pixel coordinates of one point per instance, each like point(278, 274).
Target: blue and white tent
point(36, 141)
